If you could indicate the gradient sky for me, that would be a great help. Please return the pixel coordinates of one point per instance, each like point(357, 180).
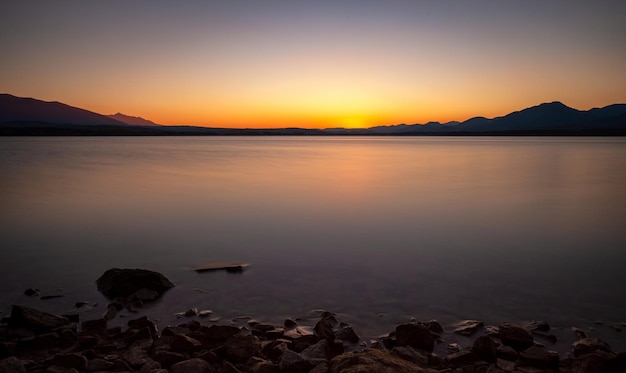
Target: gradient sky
point(314, 63)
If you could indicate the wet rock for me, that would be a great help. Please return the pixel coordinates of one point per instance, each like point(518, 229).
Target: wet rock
point(347, 333)
point(11, 365)
point(320, 350)
point(293, 362)
point(515, 336)
point(191, 312)
point(595, 362)
point(289, 324)
point(461, 358)
point(126, 282)
point(183, 343)
point(506, 365)
point(71, 360)
point(240, 347)
point(143, 322)
point(453, 347)
point(434, 326)
point(136, 357)
point(258, 365)
point(192, 366)
point(485, 348)
point(373, 360)
point(506, 353)
point(408, 353)
point(35, 320)
point(168, 358)
point(324, 327)
point(539, 325)
point(96, 365)
point(91, 326)
point(31, 292)
point(588, 345)
point(221, 331)
point(415, 335)
point(468, 327)
point(579, 333)
point(205, 313)
point(540, 357)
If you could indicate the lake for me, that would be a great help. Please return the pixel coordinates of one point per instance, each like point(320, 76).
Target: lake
point(376, 229)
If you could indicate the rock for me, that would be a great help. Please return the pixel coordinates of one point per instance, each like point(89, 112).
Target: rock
point(72, 360)
point(136, 357)
point(347, 333)
point(11, 365)
point(143, 322)
point(228, 367)
point(183, 343)
point(410, 354)
point(434, 326)
point(595, 362)
point(31, 292)
point(99, 365)
point(146, 295)
point(205, 313)
point(579, 333)
point(289, 324)
point(216, 266)
point(485, 348)
point(462, 358)
point(468, 327)
point(588, 345)
point(240, 347)
point(293, 362)
point(453, 348)
point(515, 336)
point(540, 325)
point(98, 325)
point(324, 327)
point(415, 335)
point(192, 366)
point(221, 331)
point(539, 357)
point(191, 312)
point(320, 368)
point(258, 365)
point(320, 350)
point(126, 282)
point(506, 365)
point(35, 320)
point(373, 360)
point(168, 358)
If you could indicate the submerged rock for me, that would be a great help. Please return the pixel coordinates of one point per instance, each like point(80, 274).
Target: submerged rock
point(126, 283)
point(468, 327)
point(35, 320)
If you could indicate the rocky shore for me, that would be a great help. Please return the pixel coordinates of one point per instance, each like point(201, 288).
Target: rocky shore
point(32, 340)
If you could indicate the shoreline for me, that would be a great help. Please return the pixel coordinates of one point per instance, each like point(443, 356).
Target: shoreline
point(42, 342)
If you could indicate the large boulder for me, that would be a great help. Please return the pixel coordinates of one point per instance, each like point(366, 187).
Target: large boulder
point(125, 283)
point(35, 320)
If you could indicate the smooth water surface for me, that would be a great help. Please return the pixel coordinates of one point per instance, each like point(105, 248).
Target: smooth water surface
point(377, 229)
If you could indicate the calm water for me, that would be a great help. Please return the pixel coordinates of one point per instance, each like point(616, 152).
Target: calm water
point(378, 230)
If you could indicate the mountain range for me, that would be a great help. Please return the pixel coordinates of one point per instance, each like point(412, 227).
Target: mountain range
point(28, 116)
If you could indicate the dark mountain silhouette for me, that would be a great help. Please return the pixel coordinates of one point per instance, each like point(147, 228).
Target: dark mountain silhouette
point(18, 109)
point(546, 118)
point(136, 121)
point(27, 116)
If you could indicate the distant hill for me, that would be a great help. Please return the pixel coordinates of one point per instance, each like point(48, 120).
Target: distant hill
point(546, 118)
point(27, 116)
point(18, 109)
point(136, 121)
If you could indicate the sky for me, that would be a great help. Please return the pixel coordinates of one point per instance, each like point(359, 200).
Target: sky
point(314, 64)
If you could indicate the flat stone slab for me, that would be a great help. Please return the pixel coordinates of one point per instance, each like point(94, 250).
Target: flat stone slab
point(226, 266)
